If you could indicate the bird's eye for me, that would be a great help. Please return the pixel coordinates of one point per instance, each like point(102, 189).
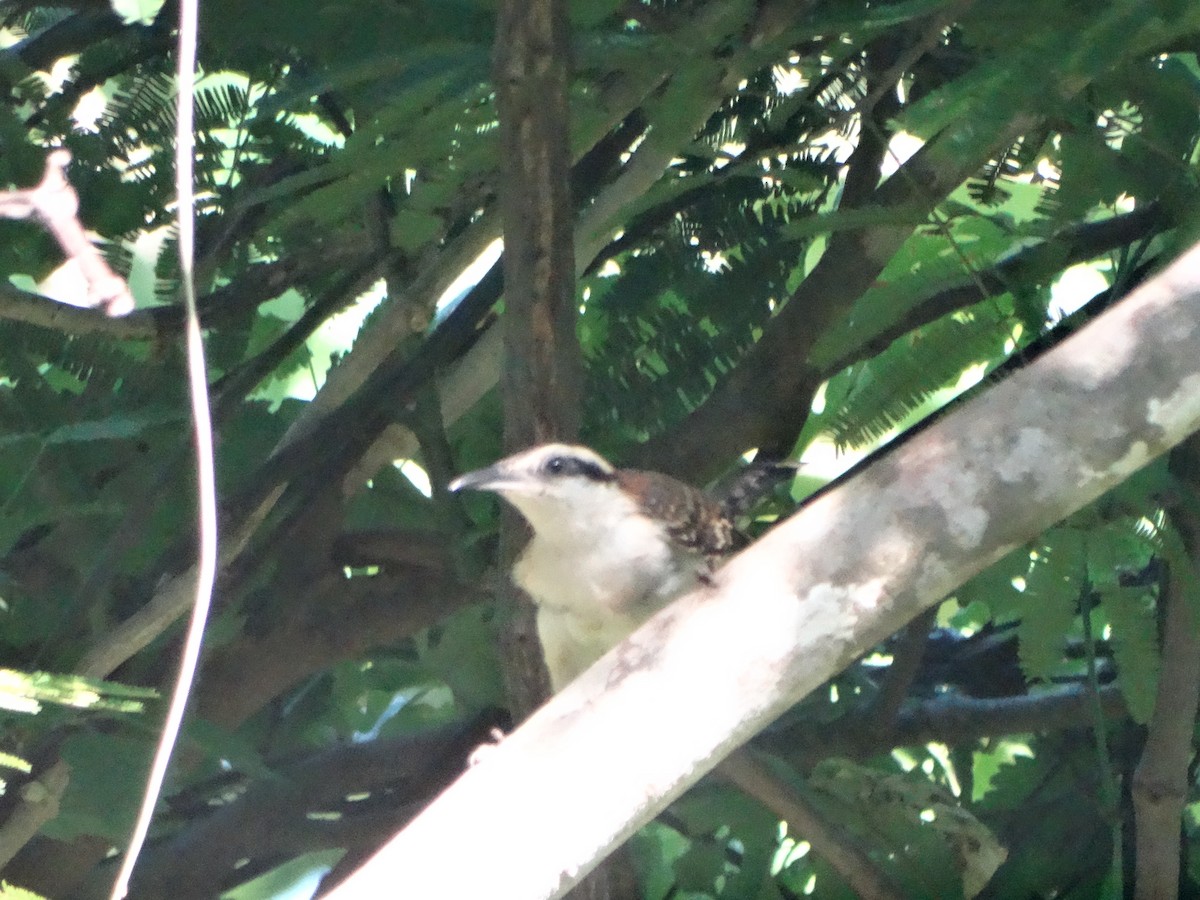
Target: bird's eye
point(573, 466)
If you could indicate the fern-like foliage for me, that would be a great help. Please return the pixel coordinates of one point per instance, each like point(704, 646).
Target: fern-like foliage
point(1049, 604)
point(682, 314)
point(705, 260)
point(886, 390)
point(1107, 563)
point(1130, 612)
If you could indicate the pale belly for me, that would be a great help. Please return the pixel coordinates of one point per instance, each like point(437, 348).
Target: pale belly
point(587, 606)
point(573, 642)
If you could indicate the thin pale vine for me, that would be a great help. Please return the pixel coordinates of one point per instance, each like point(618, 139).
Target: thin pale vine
point(206, 566)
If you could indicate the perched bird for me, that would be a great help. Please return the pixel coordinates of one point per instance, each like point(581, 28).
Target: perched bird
point(610, 547)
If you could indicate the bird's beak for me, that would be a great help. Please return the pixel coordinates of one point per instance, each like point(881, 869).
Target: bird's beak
point(492, 478)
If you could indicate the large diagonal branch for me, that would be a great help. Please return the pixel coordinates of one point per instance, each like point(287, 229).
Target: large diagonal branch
point(811, 597)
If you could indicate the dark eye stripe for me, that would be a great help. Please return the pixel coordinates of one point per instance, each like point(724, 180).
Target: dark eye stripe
point(567, 466)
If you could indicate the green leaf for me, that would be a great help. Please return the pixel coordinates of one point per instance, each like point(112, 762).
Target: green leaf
point(700, 866)
point(26, 691)
point(12, 892)
point(235, 749)
point(994, 588)
point(113, 428)
point(1131, 616)
point(940, 839)
point(1044, 810)
point(462, 651)
point(654, 850)
point(287, 880)
point(1049, 604)
point(412, 228)
point(107, 777)
point(9, 761)
point(137, 12)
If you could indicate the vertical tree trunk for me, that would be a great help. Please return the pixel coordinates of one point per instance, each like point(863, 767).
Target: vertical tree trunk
point(1160, 783)
point(542, 370)
point(542, 365)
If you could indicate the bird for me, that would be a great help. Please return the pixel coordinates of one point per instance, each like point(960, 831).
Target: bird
point(610, 547)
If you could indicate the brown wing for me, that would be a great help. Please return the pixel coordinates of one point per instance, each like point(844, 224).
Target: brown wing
point(693, 519)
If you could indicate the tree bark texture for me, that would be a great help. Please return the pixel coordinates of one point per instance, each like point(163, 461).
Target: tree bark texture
point(542, 363)
point(542, 366)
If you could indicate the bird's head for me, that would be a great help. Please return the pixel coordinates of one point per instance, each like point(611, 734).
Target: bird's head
point(554, 486)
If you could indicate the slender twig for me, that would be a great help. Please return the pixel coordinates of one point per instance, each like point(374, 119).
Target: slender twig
point(206, 566)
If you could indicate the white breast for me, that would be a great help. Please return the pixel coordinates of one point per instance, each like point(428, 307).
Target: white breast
point(596, 580)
